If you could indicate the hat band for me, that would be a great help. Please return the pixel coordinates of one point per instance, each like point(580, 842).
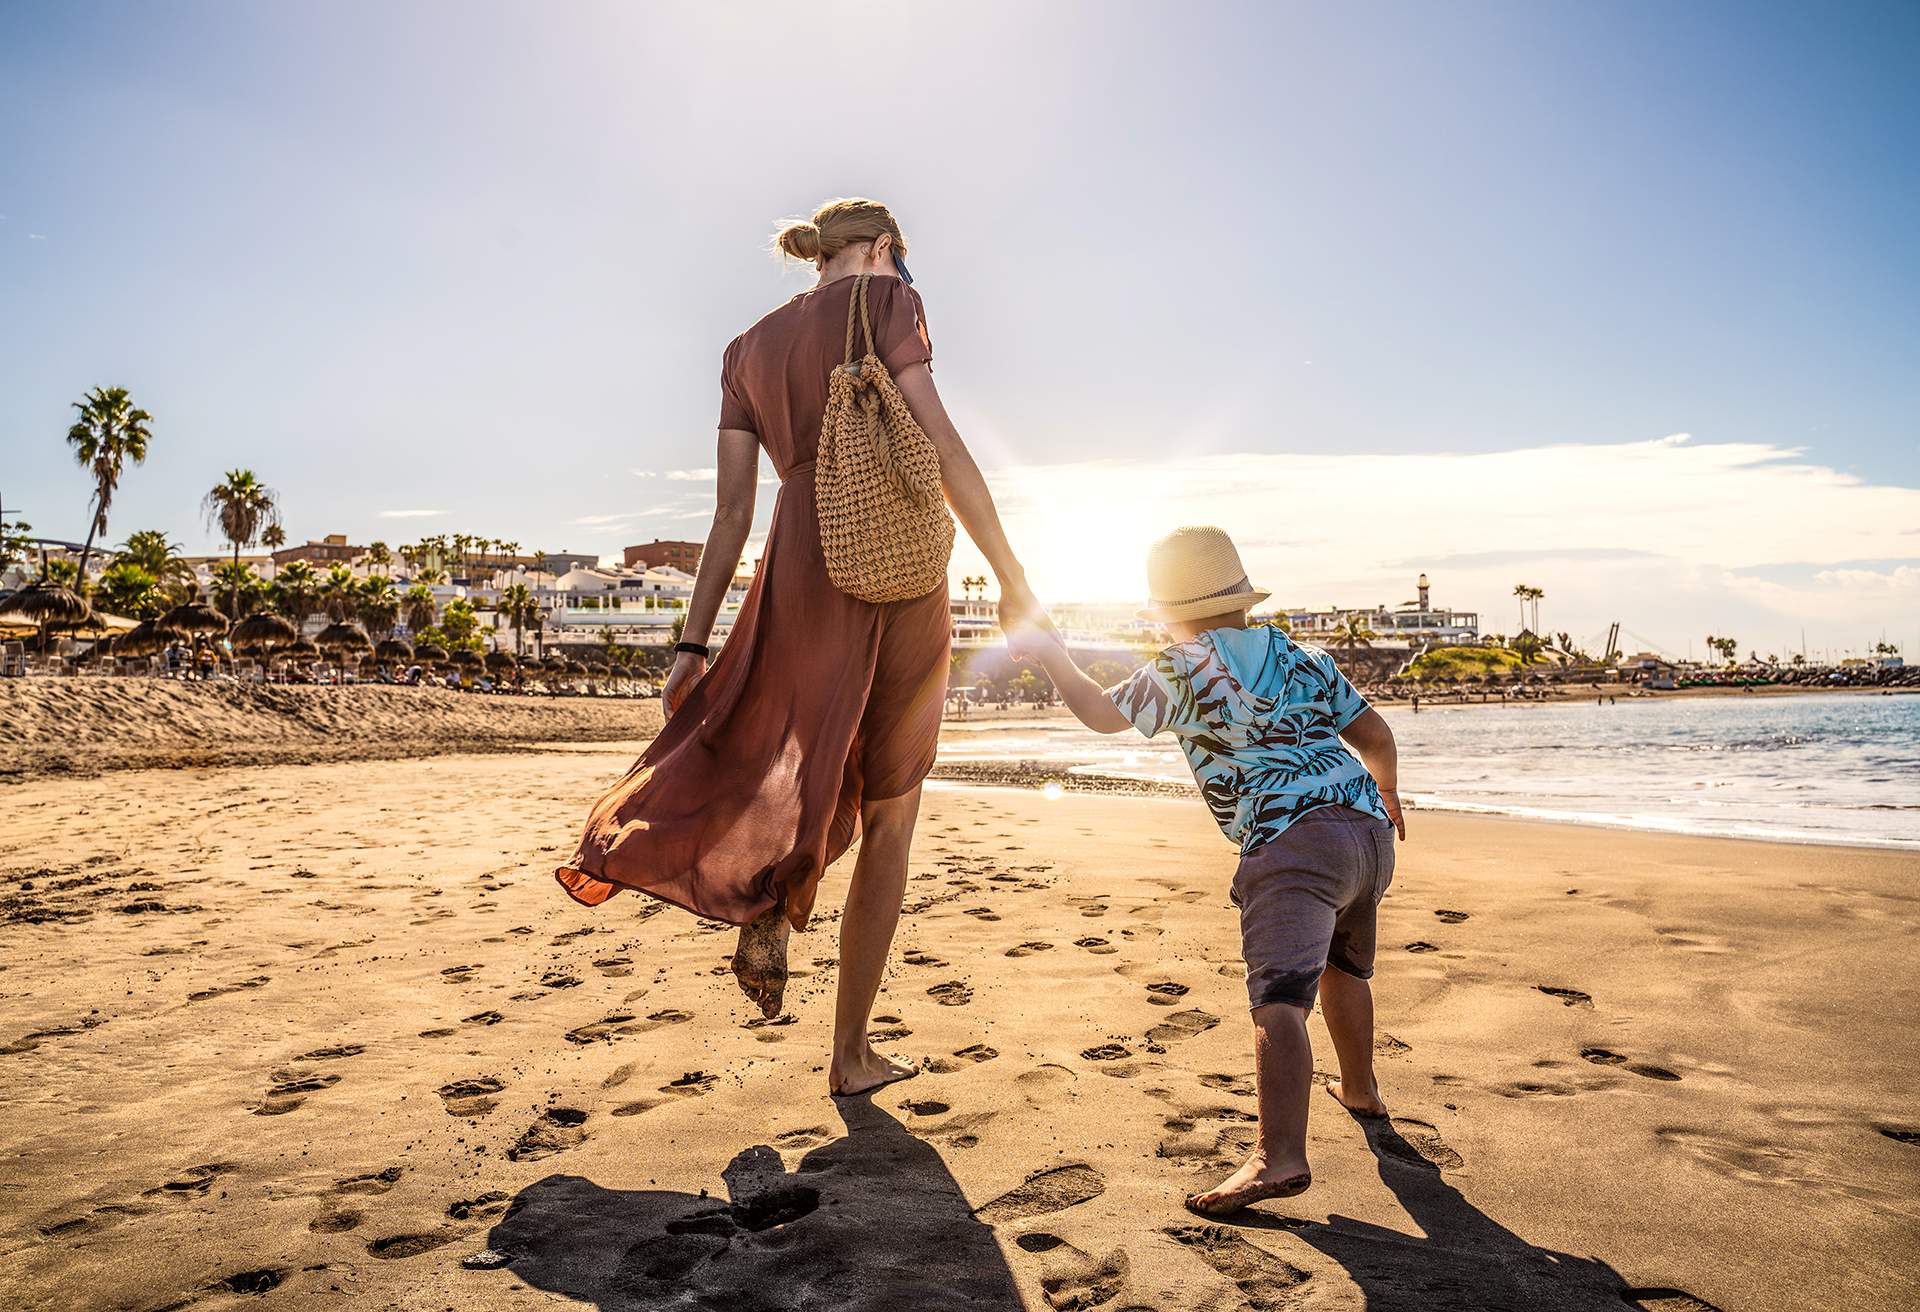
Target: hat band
point(1244, 585)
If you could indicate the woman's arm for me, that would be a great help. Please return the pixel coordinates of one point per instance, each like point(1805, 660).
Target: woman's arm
point(736, 478)
point(968, 495)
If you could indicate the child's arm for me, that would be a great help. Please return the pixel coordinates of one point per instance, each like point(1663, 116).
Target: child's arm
point(1372, 741)
point(1085, 698)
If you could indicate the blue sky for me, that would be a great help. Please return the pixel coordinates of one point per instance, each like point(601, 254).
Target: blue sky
point(479, 260)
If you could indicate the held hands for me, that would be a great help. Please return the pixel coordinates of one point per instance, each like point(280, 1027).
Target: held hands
point(688, 669)
point(1391, 798)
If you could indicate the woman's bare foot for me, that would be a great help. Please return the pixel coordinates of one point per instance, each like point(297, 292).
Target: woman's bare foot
point(760, 961)
point(1252, 1183)
point(1371, 1106)
point(867, 1070)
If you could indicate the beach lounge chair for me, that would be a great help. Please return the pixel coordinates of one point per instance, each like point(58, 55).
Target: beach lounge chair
point(13, 660)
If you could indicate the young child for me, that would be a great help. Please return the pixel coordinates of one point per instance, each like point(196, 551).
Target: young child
point(1261, 719)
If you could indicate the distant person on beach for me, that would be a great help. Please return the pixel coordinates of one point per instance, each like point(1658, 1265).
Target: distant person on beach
point(1261, 719)
point(821, 714)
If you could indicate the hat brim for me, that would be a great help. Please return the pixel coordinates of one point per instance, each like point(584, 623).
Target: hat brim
point(1196, 610)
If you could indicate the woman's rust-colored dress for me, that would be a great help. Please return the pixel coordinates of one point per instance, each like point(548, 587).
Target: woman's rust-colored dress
point(816, 701)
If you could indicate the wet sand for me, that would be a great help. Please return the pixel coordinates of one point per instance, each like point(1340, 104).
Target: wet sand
point(326, 1036)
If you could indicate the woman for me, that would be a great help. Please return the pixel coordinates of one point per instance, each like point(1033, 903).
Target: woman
point(821, 715)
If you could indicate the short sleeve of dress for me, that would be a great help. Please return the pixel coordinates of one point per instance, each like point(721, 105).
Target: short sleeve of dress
point(734, 411)
point(1156, 698)
point(899, 324)
point(1344, 701)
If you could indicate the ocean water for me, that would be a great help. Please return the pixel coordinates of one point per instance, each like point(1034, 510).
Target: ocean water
point(1827, 768)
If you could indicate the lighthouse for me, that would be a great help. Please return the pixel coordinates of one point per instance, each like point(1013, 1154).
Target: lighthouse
point(1423, 592)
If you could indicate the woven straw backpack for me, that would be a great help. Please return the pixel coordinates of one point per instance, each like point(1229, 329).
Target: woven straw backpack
point(884, 527)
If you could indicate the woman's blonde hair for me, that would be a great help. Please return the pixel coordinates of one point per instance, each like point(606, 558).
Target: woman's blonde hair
point(837, 225)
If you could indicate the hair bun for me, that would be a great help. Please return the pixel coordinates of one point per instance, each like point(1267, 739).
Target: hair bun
point(801, 240)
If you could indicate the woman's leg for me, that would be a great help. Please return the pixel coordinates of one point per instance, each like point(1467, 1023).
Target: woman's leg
point(866, 934)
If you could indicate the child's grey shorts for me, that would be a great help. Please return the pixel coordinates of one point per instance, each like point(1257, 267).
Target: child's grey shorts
point(1307, 901)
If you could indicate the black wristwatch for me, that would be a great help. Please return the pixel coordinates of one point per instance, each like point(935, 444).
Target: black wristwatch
point(693, 649)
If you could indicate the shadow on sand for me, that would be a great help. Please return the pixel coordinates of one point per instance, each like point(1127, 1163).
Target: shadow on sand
point(1467, 1259)
point(871, 1220)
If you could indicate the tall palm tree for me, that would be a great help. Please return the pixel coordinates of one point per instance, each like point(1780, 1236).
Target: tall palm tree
point(296, 587)
point(1522, 591)
point(273, 537)
point(416, 607)
point(337, 591)
point(132, 590)
point(1353, 632)
point(149, 550)
point(380, 555)
point(243, 507)
point(110, 431)
point(378, 604)
point(517, 605)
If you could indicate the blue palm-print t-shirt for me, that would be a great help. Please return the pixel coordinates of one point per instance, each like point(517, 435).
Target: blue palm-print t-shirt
point(1259, 717)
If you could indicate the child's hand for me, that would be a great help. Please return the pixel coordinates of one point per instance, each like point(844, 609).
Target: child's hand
point(1391, 799)
point(1029, 641)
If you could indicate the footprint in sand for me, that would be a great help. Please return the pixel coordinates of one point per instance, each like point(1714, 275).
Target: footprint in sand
point(290, 1090)
point(1417, 1144)
point(1603, 1056)
point(1182, 1025)
point(376, 1183)
point(1262, 1279)
point(411, 1245)
point(1665, 1298)
point(336, 1222)
point(263, 1281)
point(558, 979)
point(329, 1054)
point(926, 1107)
point(1097, 946)
point(1106, 1052)
point(1422, 945)
point(1651, 1072)
point(556, 1131)
point(1568, 997)
point(1028, 949)
point(635, 1108)
point(982, 913)
point(471, 1099)
point(194, 1180)
point(1385, 1045)
point(492, 1203)
point(223, 989)
point(951, 994)
point(1165, 992)
point(1453, 917)
point(614, 967)
point(1070, 1277)
point(436, 1034)
point(811, 1136)
point(609, 1028)
point(1052, 1190)
point(1899, 1133)
point(690, 1085)
point(1240, 1086)
point(917, 958)
point(483, 1018)
point(963, 1058)
point(458, 974)
point(889, 1034)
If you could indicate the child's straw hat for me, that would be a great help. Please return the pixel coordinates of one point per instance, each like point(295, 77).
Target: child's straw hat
point(1195, 572)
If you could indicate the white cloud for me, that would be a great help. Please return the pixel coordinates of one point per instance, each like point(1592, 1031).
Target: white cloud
point(410, 514)
point(604, 519)
point(693, 475)
point(641, 473)
point(1659, 534)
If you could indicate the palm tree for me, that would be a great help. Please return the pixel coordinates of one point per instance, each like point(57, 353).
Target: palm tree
point(416, 608)
point(130, 589)
point(246, 591)
point(273, 537)
point(337, 592)
point(149, 550)
point(1353, 632)
point(517, 605)
point(110, 431)
point(1527, 647)
point(295, 588)
point(378, 604)
point(243, 508)
point(380, 555)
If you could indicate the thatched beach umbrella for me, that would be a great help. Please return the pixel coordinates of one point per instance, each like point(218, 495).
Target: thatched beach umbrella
point(46, 605)
point(194, 619)
point(465, 659)
point(431, 653)
point(146, 638)
point(500, 661)
point(343, 637)
point(395, 650)
point(263, 632)
point(555, 662)
point(575, 667)
point(302, 649)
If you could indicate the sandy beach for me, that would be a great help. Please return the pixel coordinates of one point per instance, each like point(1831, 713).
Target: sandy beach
point(329, 1036)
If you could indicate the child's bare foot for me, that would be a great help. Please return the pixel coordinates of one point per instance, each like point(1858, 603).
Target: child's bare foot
point(867, 1070)
point(760, 961)
point(1370, 1106)
point(1252, 1183)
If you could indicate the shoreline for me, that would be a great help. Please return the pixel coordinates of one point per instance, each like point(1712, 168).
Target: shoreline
point(250, 1039)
